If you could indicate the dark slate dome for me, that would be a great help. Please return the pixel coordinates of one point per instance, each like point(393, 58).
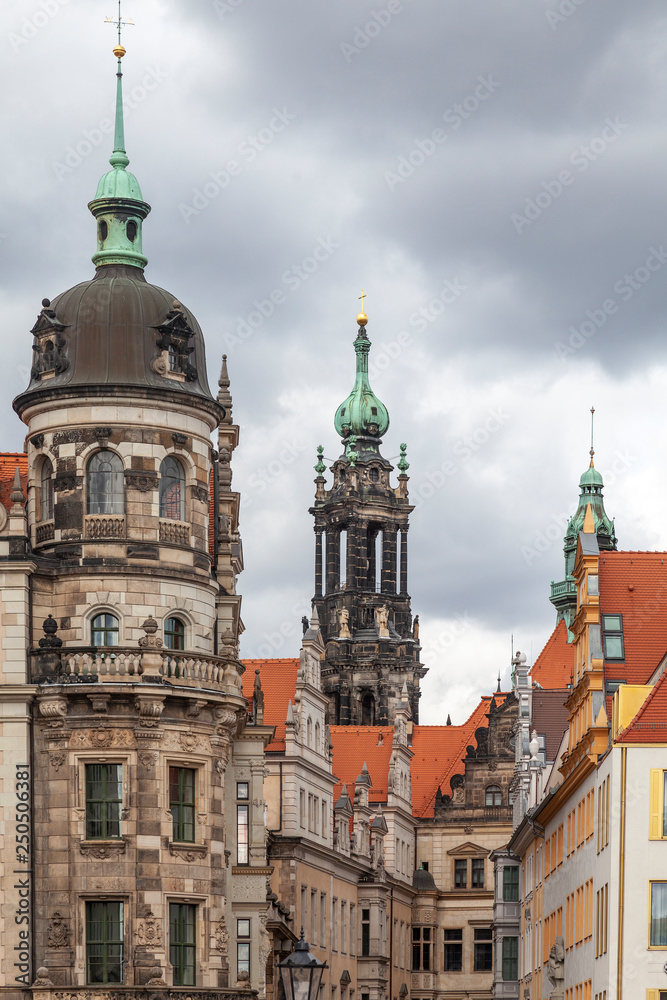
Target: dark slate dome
point(111, 333)
point(423, 881)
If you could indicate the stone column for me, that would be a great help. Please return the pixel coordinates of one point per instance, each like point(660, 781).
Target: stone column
point(318, 562)
point(404, 560)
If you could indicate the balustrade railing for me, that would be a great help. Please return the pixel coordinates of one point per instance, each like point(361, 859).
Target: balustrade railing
point(105, 526)
point(45, 531)
point(177, 532)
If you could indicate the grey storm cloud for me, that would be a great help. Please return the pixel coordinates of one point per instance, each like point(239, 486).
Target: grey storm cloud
point(491, 173)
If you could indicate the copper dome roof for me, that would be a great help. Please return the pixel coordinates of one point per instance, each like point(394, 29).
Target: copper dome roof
point(109, 328)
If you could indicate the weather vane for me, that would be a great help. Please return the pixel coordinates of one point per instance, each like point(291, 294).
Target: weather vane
point(118, 22)
point(592, 418)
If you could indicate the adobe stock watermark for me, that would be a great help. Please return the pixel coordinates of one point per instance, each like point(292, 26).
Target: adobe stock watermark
point(261, 479)
point(464, 449)
point(448, 637)
point(625, 288)
point(385, 353)
point(92, 138)
point(454, 117)
point(543, 540)
point(224, 7)
point(581, 158)
point(564, 11)
point(292, 279)
point(246, 153)
point(30, 26)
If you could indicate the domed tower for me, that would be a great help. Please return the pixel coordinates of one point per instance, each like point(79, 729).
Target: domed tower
point(361, 565)
point(146, 773)
point(564, 594)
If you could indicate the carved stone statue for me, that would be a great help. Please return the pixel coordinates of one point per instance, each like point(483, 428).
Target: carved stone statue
point(344, 622)
point(415, 629)
point(382, 620)
point(556, 967)
point(58, 931)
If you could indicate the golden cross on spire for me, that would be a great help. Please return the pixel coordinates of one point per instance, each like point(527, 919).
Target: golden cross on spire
point(362, 318)
point(362, 297)
point(119, 24)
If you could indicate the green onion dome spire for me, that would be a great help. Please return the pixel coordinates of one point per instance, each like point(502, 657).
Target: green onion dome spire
point(362, 415)
point(118, 204)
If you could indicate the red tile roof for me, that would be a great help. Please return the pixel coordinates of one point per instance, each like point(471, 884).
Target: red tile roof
point(354, 746)
point(554, 666)
point(438, 756)
point(278, 679)
point(634, 584)
point(438, 751)
point(650, 723)
point(8, 462)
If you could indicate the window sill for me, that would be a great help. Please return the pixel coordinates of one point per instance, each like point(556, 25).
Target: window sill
point(187, 851)
point(102, 848)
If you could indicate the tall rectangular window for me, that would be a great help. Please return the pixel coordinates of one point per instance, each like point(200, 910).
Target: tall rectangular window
point(104, 795)
point(658, 931)
point(510, 969)
point(242, 946)
point(365, 932)
point(477, 872)
point(353, 930)
point(483, 957)
point(182, 803)
point(421, 948)
point(343, 927)
point(104, 942)
point(453, 949)
point(460, 873)
point(313, 916)
point(182, 923)
point(612, 632)
point(242, 823)
point(334, 923)
point(323, 919)
point(511, 884)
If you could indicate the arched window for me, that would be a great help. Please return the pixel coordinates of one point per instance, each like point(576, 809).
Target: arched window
point(317, 745)
point(494, 796)
point(105, 492)
point(172, 489)
point(368, 710)
point(46, 494)
point(309, 731)
point(104, 630)
point(174, 633)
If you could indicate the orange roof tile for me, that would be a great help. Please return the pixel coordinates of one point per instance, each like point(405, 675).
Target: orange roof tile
point(554, 666)
point(278, 679)
point(634, 584)
point(355, 745)
point(650, 723)
point(8, 462)
point(438, 756)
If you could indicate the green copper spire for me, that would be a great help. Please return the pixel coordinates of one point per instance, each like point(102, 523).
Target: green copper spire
point(362, 414)
point(118, 205)
point(563, 594)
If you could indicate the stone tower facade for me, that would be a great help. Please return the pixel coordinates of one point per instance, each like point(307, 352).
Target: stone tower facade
point(361, 566)
point(132, 794)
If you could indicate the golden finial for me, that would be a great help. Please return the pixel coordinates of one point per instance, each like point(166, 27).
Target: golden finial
point(118, 51)
point(592, 418)
point(362, 318)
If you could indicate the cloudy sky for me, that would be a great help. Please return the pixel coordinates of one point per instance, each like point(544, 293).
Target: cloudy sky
point(491, 173)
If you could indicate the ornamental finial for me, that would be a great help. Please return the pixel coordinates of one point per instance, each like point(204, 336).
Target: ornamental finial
point(592, 449)
point(362, 318)
point(403, 463)
point(320, 468)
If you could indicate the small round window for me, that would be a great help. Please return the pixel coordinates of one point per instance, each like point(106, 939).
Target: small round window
point(104, 231)
point(131, 230)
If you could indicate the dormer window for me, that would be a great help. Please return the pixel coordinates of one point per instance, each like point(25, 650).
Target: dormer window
point(612, 631)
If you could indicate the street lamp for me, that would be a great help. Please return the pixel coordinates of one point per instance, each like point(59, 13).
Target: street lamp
point(301, 972)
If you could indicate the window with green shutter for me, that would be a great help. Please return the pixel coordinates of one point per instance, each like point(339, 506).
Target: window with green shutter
point(104, 942)
point(182, 803)
point(104, 796)
point(511, 884)
point(182, 924)
point(510, 958)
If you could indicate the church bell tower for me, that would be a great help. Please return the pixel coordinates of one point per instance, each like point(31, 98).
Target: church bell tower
point(361, 565)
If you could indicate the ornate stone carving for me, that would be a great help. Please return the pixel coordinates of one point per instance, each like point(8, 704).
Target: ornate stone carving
point(195, 707)
point(188, 741)
point(148, 759)
point(100, 737)
point(180, 440)
point(175, 336)
point(42, 982)
point(50, 640)
point(53, 709)
point(222, 938)
point(150, 710)
point(57, 759)
point(102, 851)
point(150, 640)
point(200, 493)
point(225, 721)
point(156, 977)
point(58, 934)
point(159, 365)
point(190, 853)
point(142, 481)
point(220, 765)
point(344, 622)
point(556, 967)
point(149, 931)
point(264, 943)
